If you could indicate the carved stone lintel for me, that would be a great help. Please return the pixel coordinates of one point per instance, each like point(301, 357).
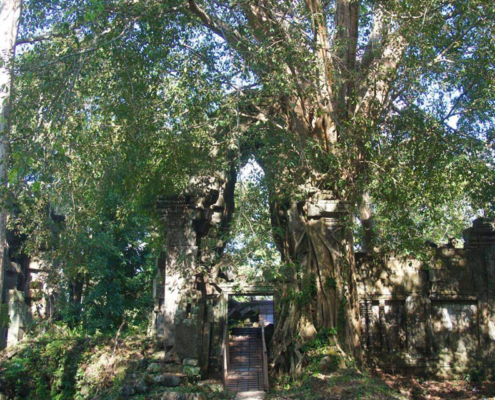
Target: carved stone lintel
point(327, 208)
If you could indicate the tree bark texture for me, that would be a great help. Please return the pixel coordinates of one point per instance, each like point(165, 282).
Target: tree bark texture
point(319, 290)
point(366, 218)
point(10, 11)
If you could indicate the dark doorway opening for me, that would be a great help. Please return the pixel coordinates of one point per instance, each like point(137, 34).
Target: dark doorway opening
point(250, 311)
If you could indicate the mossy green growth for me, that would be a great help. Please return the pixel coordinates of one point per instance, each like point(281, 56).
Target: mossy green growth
point(45, 369)
point(64, 364)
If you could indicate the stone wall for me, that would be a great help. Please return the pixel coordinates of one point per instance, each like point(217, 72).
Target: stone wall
point(25, 295)
point(434, 317)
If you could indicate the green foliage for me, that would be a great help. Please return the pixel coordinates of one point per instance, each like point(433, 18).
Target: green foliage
point(323, 339)
point(425, 184)
point(108, 117)
point(60, 358)
point(126, 101)
point(252, 246)
point(308, 290)
point(67, 364)
point(475, 375)
point(347, 384)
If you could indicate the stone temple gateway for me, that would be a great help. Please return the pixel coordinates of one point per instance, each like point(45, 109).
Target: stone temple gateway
point(435, 318)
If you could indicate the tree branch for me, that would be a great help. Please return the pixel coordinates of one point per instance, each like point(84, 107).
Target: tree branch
point(346, 36)
point(134, 14)
point(220, 28)
point(457, 101)
point(38, 38)
point(374, 39)
point(380, 75)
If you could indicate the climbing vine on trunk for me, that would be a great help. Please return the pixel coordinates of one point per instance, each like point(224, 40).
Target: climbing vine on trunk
point(318, 290)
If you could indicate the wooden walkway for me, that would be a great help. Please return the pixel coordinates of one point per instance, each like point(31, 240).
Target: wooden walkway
point(246, 361)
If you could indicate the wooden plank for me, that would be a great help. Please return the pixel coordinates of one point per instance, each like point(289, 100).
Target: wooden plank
point(246, 367)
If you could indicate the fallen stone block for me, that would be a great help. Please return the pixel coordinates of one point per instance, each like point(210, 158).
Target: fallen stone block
point(168, 380)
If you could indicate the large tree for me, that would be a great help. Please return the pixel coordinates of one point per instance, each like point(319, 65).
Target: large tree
point(346, 105)
point(344, 90)
point(10, 11)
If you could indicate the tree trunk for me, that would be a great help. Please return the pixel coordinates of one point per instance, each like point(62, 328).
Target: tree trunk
point(10, 11)
point(332, 107)
point(366, 218)
point(319, 288)
point(76, 290)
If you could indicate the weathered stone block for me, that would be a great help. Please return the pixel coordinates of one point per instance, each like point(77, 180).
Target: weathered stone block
point(19, 317)
point(416, 306)
point(154, 368)
point(186, 339)
point(326, 208)
point(158, 356)
point(172, 357)
point(191, 371)
point(455, 331)
point(175, 368)
point(211, 386)
point(193, 362)
point(168, 380)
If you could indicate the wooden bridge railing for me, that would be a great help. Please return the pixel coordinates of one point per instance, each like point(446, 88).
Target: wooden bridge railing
point(225, 353)
point(265, 358)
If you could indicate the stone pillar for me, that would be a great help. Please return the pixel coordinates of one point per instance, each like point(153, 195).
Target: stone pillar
point(195, 223)
point(157, 319)
point(220, 314)
point(19, 317)
point(180, 262)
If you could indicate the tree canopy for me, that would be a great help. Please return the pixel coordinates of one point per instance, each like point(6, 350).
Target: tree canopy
point(387, 105)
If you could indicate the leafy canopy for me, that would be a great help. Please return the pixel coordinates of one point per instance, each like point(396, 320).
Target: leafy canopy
point(120, 102)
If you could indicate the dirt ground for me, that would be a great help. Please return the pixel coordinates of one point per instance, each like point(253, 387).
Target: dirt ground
point(351, 385)
point(419, 389)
